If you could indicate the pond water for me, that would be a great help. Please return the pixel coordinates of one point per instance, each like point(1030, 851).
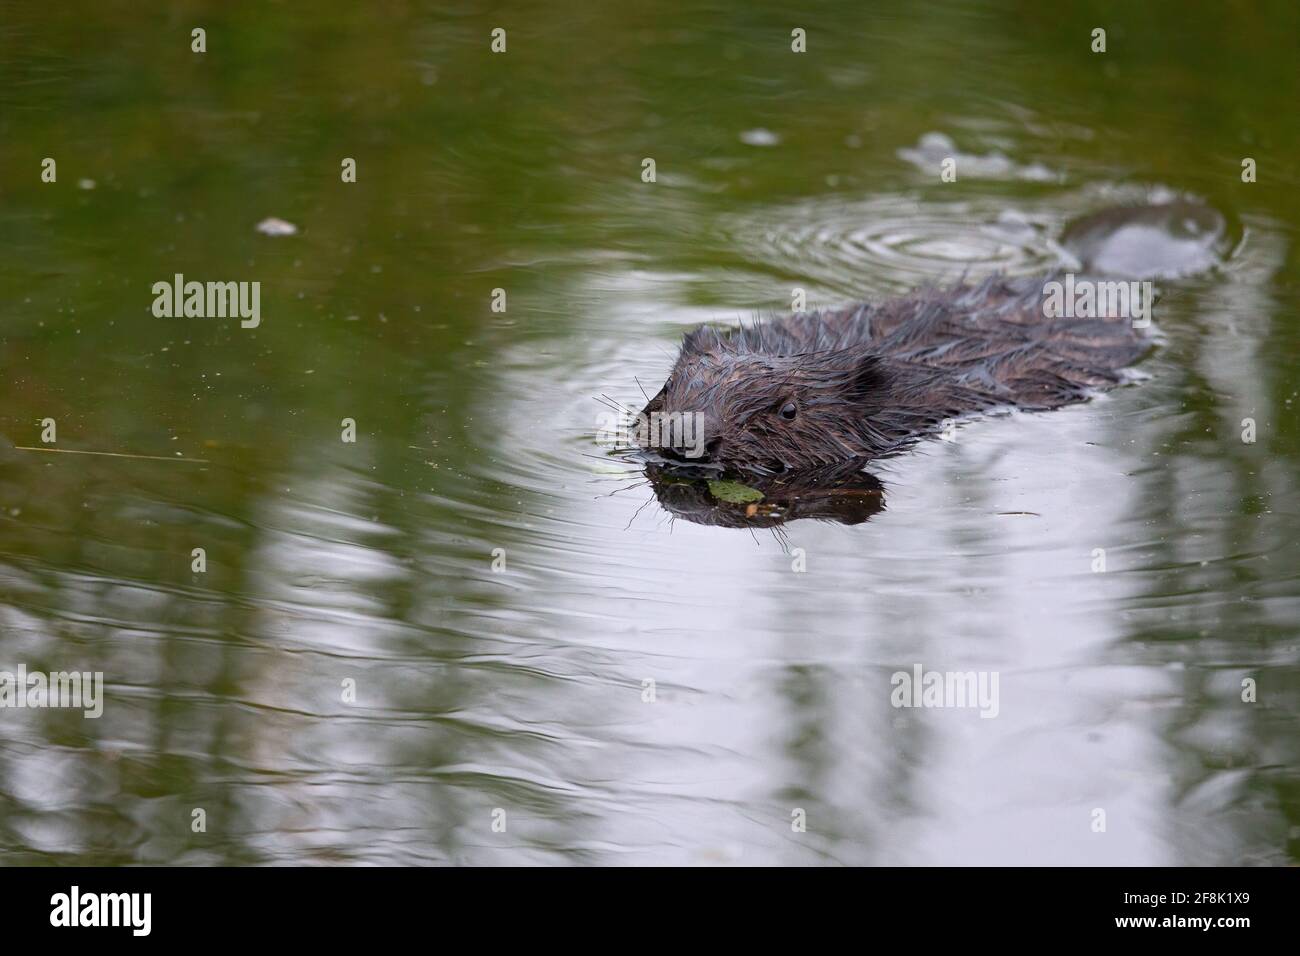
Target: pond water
point(471, 635)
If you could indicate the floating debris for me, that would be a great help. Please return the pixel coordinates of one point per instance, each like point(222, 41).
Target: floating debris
point(759, 137)
point(110, 454)
point(85, 184)
point(934, 148)
point(276, 227)
point(734, 492)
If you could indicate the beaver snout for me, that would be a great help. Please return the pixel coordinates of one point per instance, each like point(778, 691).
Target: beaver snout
point(693, 436)
point(701, 452)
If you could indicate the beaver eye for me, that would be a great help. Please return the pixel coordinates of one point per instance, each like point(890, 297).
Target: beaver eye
point(788, 411)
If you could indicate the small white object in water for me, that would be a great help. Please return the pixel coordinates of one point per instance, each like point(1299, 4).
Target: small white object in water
point(85, 184)
point(759, 137)
point(934, 148)
point(276, 227)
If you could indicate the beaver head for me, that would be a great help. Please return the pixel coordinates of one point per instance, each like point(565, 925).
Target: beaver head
point(748, 409)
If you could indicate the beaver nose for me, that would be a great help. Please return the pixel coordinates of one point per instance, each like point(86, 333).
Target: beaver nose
point(689, 436)
point(695, 446)
point(697, 452)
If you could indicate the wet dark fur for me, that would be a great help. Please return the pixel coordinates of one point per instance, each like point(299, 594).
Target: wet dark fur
point(868, 380)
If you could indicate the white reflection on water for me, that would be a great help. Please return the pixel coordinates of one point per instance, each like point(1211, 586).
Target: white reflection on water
point(773, 686)
point(522, 691)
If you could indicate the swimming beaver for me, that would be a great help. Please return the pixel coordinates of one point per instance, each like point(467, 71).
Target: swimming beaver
point(811, 390)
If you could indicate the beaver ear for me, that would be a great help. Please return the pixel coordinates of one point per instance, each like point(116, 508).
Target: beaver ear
point(868, 378)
